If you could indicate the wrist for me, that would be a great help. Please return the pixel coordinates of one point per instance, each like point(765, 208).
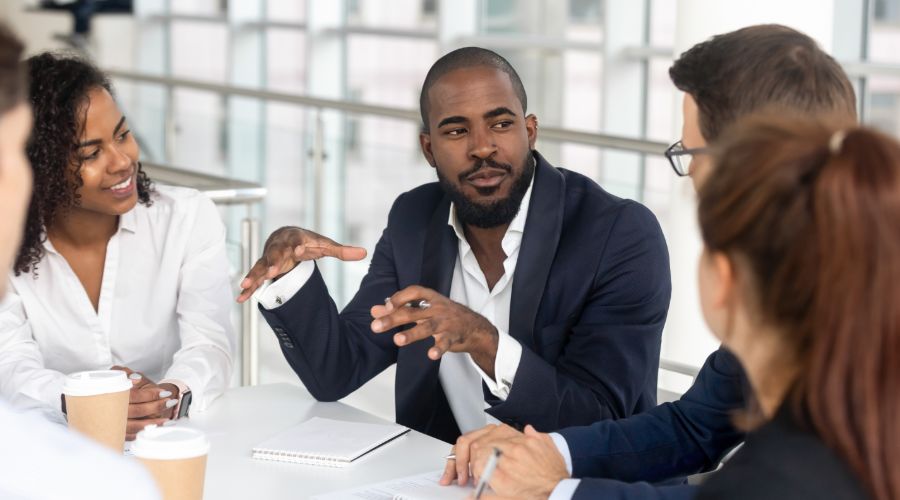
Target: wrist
point(549, 487)
point(490, 341)
point(485, 352)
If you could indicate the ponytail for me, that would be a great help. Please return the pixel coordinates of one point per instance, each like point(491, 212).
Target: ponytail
point(816, 216)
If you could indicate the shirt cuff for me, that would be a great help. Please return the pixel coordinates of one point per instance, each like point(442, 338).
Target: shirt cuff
point(563, 447)
point(564, 490)
point(506, 364)
point(275, 293)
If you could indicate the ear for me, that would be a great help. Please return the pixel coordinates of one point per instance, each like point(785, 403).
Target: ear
point(726, 282)
point(531, 126)
point(425, 144)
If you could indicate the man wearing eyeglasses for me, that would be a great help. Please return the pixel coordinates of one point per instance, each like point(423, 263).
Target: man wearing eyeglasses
point(679, 156)
point(725, 78)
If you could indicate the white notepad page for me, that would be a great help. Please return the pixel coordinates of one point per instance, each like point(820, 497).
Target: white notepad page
point(326, 442)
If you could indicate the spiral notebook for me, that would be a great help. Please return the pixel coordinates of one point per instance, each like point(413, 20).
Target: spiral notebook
point(326, 442)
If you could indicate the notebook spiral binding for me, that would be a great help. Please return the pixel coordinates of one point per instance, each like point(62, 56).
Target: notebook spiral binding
point(298, 458)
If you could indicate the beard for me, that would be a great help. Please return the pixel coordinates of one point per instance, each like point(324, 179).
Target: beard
point(494, 213)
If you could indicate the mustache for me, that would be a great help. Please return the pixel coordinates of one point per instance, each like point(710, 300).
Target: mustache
point(478, 165)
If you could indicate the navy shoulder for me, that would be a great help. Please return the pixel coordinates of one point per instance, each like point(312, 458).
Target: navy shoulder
point(640, 216)
point(416, 206)
point(583, 189)
point(584, 193)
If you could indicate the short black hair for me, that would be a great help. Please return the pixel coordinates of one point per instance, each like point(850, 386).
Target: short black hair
point(468, 57)
point(767, 66)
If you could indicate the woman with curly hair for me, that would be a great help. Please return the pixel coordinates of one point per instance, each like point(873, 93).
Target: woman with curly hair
point(112, 272)
point(79, 467)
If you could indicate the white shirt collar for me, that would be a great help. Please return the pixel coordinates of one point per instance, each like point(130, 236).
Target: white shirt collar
point(127, 222)
point(517, 225)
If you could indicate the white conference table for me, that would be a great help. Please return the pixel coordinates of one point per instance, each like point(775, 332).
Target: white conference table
point(244, 417)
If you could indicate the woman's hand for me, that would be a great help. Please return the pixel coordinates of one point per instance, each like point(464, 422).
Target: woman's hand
point(148, 402)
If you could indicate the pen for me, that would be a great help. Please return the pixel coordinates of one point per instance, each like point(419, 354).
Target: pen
point(418, 304)
point(451, 456)
point(488, 472)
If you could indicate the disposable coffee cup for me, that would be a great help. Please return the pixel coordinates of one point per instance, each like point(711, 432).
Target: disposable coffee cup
point(97, 405)
point(176, 457)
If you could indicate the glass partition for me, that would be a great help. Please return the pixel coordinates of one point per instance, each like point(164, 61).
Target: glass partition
point(340, 171)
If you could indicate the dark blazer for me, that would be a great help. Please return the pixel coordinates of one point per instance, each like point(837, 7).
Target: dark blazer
point(589, 300)
point(620, 458)
point(783, 460)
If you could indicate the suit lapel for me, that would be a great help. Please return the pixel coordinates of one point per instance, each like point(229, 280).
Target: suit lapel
point(418, 386)
point(439, 252)
point(438, 261)
point(539, 241)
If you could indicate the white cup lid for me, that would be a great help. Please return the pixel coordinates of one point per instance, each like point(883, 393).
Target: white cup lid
point(91, 383)
point(169, 443)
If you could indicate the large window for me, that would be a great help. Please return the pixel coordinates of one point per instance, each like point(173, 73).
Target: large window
point(883, 85)
point(593, 66)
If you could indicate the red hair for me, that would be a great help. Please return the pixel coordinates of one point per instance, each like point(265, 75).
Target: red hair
point(815, 215)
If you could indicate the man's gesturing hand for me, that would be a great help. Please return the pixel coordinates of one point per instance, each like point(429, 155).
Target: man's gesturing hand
point(288, 246)
point(455, 327)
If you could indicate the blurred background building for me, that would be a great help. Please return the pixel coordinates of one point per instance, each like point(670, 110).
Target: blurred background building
point(304, 112)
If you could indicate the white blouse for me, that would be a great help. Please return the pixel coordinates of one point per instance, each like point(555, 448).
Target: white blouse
point(164, 310)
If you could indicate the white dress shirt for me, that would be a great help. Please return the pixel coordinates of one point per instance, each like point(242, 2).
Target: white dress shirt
point(460, 377)
point(164, 309)
point(46, 461)
point(565, 489)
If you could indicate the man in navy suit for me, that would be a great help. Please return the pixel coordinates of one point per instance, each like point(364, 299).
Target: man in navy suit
point(728, 77)
point(516, 291)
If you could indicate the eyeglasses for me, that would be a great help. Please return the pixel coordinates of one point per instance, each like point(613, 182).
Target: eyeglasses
point(680, 157)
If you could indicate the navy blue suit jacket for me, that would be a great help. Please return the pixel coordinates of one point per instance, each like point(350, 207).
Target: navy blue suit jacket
point(589, 300)
point(684, 437)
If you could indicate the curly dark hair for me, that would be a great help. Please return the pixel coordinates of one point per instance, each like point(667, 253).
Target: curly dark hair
point(59, 87)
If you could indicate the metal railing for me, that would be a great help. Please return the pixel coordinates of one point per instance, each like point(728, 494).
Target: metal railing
point(665, 395)
point(226, 191)
point(869, 69)
point(607, 141)
point(677, 367)
point(221, 190)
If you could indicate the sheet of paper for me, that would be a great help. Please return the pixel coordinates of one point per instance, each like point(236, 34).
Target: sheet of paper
point(423, 486)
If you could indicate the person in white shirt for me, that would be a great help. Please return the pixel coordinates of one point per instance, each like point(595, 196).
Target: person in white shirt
point(112, 272)
point(35, 450)
point(45, 461)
